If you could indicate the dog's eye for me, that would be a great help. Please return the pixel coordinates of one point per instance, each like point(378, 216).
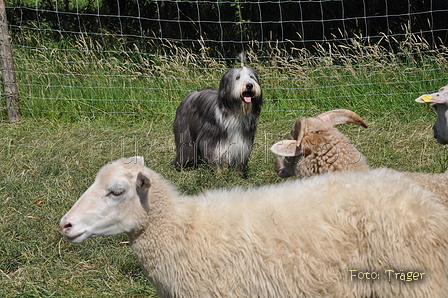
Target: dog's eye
point(237, 78)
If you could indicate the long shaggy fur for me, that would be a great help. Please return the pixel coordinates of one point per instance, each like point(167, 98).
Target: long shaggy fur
point(218, 125)
point(302, 238)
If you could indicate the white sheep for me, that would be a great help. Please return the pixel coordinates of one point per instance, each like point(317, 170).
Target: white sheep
point(439, 101)
point(368, 234)
point(434, 182)
point(316, 146)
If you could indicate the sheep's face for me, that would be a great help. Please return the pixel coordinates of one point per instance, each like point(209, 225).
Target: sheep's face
point(439, 101)
point(441, 126)
point(307, 136)
point(108, 206)
point(289, 152)
point(284, 166)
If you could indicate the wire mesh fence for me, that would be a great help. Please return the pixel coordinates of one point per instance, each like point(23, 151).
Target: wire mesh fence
point(90, 57)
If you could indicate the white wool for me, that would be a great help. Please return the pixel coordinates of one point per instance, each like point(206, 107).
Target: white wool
point(301, 238)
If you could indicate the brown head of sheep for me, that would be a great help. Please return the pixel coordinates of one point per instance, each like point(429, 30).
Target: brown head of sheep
point(439, 101)
point(315, 146)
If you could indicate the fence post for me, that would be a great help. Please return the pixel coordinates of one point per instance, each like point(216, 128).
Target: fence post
point(9, 78)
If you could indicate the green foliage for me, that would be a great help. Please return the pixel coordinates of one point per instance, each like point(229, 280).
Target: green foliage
point(83, 107)
point(220, 23)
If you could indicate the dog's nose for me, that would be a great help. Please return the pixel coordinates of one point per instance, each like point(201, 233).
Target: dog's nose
point(249, 86)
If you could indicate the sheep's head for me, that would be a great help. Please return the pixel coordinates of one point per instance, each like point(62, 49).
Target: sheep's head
point(439, 101)
point(111, 205)
point(308, 135)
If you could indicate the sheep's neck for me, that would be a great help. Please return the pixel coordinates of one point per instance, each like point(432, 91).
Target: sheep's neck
point(155, 224)
point(158, 241)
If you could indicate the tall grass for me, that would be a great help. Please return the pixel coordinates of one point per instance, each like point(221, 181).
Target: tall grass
point(80, 79)
point(83, 107)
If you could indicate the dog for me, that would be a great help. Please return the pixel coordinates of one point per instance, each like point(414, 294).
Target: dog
point(218, 126)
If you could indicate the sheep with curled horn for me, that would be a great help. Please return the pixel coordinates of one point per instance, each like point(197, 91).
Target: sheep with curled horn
point(315, 146)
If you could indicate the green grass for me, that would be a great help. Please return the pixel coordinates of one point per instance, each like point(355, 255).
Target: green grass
point(47, 165)
point(79, 80)
point(48, 159)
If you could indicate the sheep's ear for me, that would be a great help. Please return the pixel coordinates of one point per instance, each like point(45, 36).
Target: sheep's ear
point(143, 181)
point(286, 148)
point(143, 184)
point(138, 160)
point(433, 98)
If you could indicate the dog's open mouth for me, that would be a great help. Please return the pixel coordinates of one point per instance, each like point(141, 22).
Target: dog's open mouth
point(247, 96)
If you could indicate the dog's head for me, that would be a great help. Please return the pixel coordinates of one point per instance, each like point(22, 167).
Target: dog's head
point(240, 89)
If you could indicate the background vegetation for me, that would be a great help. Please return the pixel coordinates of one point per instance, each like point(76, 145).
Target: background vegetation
point(226, 26)
point(84, 105)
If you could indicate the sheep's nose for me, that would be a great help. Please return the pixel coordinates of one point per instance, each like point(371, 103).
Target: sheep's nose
point(277, 167)
point(65, 227)
point(249, 86)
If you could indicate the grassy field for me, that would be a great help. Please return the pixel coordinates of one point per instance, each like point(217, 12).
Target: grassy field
point(48, 159)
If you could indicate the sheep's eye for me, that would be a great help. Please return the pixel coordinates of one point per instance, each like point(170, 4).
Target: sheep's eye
point(117, 192)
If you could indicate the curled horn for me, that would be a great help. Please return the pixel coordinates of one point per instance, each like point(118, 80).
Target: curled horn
point(298, 130)
point(341, 116)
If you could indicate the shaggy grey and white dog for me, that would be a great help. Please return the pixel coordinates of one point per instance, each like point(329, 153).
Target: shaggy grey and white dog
point(218, 125)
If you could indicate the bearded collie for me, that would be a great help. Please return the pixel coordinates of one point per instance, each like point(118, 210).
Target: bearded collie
point(218, 126)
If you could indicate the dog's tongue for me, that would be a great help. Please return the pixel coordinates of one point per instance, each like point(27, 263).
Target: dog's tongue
point(247, 99)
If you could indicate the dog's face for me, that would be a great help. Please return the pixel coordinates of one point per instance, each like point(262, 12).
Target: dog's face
point(241, 85)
